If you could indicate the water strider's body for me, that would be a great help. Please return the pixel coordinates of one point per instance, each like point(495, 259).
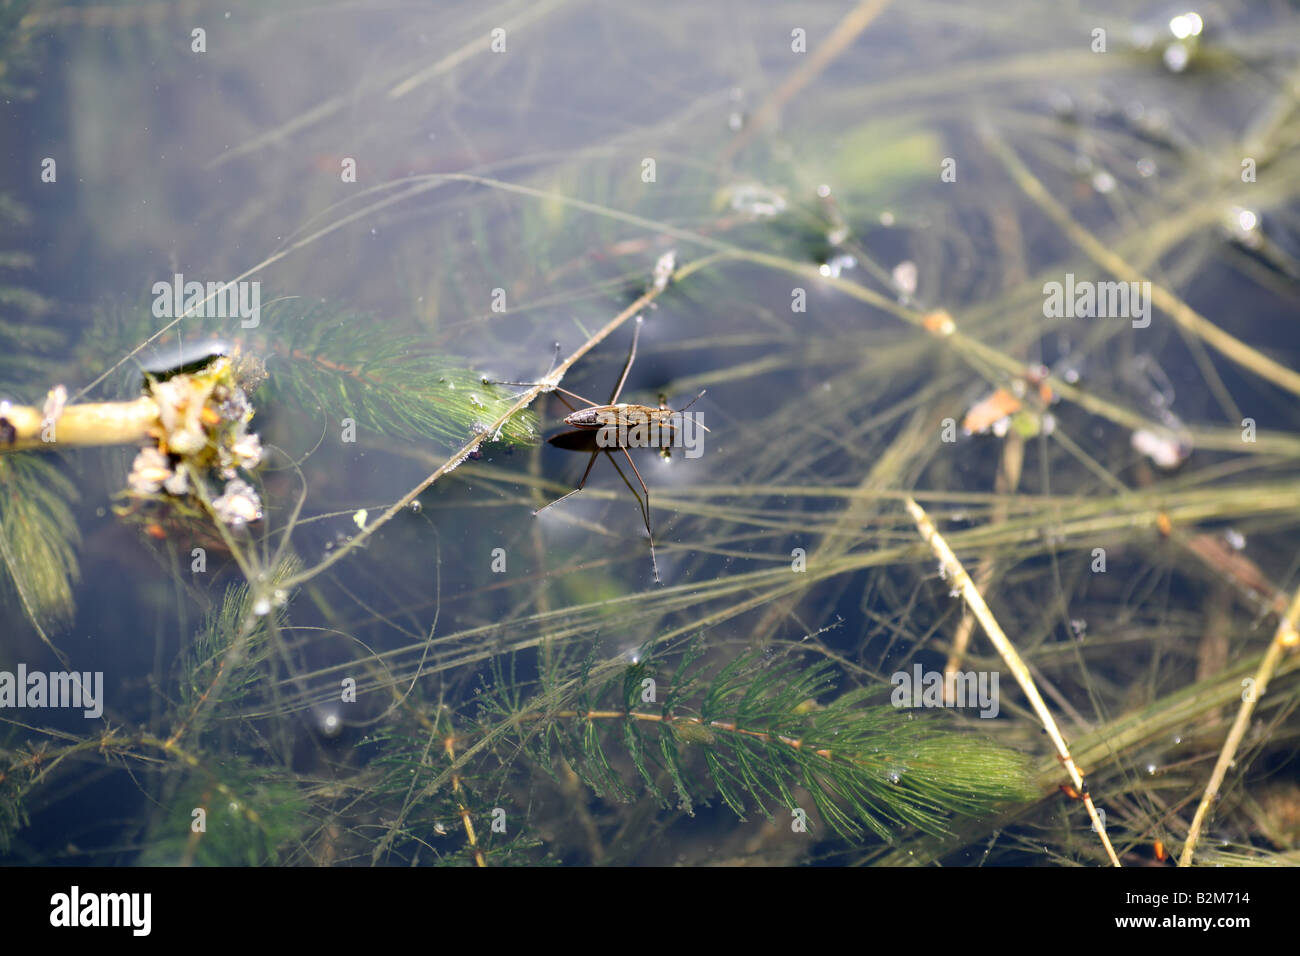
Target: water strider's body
point(616, 426)
point(598, 416)
point(629, 426)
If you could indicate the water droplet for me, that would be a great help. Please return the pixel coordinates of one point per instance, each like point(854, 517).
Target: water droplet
point(1186, 25)
point(837, 265)
point(906, 276)
point(1176, 57)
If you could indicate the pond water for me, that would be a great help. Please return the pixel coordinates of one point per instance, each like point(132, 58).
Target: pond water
point(863, 209)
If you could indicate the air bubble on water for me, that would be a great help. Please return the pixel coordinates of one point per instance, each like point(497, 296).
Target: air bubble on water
point(1103, 182)
point(753, 200)
point(906, 276)
point(1186, 25)
point(1166, 451)
point(1151, 769)
point(1236, 540)
point(1060, 103)
point(261, 607)
point(329, 723)
point(1146, 167)
point(1243, 226)
point(416, 507)
point(1176, 57)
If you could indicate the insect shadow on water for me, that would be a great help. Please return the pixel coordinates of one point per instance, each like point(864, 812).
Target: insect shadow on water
point(604, 429)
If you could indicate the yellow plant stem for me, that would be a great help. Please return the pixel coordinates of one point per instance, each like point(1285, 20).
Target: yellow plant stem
point(1284, 638)
point(86, 425)
point(957, 575)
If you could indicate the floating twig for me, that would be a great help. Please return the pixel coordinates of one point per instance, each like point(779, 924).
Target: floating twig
point(1285, 638)
point(958, 576)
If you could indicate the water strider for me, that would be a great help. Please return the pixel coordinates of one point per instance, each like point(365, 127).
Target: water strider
point(616, 426)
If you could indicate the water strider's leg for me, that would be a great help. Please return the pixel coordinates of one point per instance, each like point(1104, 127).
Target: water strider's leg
point(554, 388)
point(645, 506)
point(590, 461)
point(631, 357)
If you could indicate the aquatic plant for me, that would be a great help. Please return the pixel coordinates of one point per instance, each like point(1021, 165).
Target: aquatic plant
point(888, 274)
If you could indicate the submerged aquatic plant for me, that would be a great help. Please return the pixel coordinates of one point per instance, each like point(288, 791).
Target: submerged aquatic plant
point(360, 648)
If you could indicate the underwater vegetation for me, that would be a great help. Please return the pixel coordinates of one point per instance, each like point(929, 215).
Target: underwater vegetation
point(983, 553)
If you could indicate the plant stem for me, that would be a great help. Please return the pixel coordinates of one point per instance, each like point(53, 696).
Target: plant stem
point(957, 574)
point(86, 425)
point(1284, 638)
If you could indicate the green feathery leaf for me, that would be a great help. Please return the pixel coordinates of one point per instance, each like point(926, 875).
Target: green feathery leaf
point(393, 383)
point(38, 539)
point(761, 735)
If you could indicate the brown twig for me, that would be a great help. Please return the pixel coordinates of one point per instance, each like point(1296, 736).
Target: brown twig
point(958, 576)
point(1284, 638)
point(844, 33)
